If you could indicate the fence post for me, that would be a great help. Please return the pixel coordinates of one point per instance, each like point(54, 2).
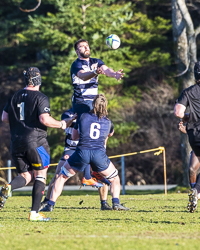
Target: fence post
point(9, 173)
point(123, 174)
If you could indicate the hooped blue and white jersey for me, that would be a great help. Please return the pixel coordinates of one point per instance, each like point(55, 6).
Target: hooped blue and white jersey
point(85, 90)
point(93, 131)
point(69, 143)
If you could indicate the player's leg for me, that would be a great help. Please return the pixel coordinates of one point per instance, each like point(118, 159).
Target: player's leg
point(101, 163)
point(23, 178)
point(44, 203)
point(103, 193)
point(193, 168)
point(65, 174)
point(40, 160)
point(88, 180)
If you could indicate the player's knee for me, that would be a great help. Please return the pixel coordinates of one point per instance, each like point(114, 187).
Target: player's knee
point(112, 175)
point(66, 173)
point(40, 178)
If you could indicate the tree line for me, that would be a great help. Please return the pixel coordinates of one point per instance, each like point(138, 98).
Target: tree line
point(140, 106)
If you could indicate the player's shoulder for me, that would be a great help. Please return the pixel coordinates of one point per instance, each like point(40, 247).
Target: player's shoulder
point(192, 89)
point(95, 60)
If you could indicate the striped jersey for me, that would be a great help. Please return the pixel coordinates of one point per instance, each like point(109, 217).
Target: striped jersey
point(69, 143)
point(85, 90)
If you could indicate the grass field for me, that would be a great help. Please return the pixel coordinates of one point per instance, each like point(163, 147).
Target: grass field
point(155, 221)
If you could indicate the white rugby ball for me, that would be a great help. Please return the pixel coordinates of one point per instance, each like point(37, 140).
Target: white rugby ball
point(113, 41)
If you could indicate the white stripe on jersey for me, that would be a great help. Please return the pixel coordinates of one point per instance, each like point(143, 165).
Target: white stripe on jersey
point(91, 91)
point(78, 81)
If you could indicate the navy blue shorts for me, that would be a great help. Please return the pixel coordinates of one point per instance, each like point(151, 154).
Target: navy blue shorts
point(66, 154)
point(81, 108)
point(97, 159)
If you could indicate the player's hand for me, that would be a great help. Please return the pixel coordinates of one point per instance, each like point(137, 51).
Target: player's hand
point(100, 71)
point(182, 127)
point(186, 117)
point(119, 75)
point(69, 121)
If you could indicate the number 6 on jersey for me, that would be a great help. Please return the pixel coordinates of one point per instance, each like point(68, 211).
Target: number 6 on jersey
point(95, 130)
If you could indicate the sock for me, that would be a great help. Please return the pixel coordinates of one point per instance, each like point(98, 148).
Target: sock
point(45, 199)
point(37, 194)
point(103, 202)
point(192, 184)
point(51, 203)
point(18, 182)
point(115, 200)
point(87, 174)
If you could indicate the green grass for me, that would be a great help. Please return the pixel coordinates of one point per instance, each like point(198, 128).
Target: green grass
point(155, 221)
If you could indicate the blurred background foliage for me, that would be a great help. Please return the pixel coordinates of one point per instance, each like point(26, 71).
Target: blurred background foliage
point(140, 106)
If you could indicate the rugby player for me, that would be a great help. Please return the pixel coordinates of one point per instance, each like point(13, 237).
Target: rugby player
point(28, 115)
point(92, 130)
point(190, 98)
point(70, 146)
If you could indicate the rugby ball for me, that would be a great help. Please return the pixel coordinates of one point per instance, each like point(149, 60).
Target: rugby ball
point(113, 41)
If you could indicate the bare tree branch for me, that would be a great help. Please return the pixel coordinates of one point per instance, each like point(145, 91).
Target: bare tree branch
point(39, 2)
point(182, 73)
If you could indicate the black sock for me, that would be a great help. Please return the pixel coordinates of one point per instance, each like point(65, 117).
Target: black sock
point(18, 182)
point(37, 194)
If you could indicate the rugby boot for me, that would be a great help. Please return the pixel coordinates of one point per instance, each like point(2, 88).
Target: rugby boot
point(47, 208)
point(4, 193)
point(38, 217)
point(192, 204)
point(106, 207)
point(119, 207)
point(100, 178)
point(43, 204)
point(91, 182)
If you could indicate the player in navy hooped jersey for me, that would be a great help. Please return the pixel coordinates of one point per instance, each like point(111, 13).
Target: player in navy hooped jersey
point(93, 130)
point(28, 115)
point(84, 74)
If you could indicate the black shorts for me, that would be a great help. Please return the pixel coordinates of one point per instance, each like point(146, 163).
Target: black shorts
point(36, 158)
point(194, 140)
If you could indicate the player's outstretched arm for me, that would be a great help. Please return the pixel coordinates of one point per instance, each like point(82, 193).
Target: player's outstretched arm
point(49, 121)
point(111, 73)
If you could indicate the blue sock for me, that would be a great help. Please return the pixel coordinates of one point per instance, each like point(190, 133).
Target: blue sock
point(51, 203)
point(115, 200)
point(45, 199)
point(87, 174)
point(192, 184)
point(103, 202)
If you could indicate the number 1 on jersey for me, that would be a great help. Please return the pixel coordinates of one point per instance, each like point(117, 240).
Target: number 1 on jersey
point(21, 110)
point(95, 130)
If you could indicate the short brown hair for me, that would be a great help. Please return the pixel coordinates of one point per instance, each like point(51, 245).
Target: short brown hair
point(79, 41)
point(100, 106)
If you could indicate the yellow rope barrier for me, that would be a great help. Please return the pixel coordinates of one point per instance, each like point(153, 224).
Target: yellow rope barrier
point(159, 150)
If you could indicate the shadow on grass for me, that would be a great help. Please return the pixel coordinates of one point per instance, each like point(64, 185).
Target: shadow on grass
point(177, 189)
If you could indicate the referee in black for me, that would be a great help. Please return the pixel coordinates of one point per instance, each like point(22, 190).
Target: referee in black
point(28, 114)
point(190, 97)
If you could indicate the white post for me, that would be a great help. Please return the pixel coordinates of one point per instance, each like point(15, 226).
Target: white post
point(9, 174)
point(123, 174)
